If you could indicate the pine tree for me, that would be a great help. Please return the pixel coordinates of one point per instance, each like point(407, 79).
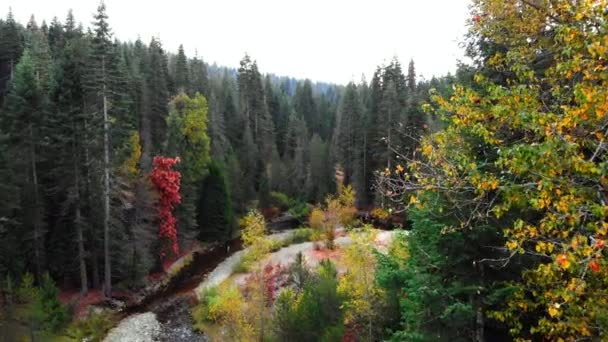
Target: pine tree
point(234, 131)
point(199, 79)
point(153, 121)
point(182, 81)
point(414, 120)
point(214, 211)
point(11, 47)
point(349, 143)
point(306, 107)
point(56, 38)
point(296, 156)
point(254, 109)
point(68, 94)
point(101, 84)
point(320, 169)
point(37, 43)
point(220, 145)
point(24, 120)
point(411, 77)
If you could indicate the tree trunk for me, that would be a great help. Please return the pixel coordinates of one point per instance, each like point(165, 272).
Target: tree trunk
point(84, 285)
point(93, 247)
point(145, 133)
point(479, 325)
point(479, 318)
point(37, 233)
point(106, 195)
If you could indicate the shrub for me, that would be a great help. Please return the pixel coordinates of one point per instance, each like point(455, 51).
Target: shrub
point(26, 292)
point(93, 328)
point(299, 209)
point(300, 235)
point(52, 312)
point(380, 214)
point(280, 200)
point(225, 306)
point(242, 266)
point(314, 314)
point(200, 313)
point(253, 228)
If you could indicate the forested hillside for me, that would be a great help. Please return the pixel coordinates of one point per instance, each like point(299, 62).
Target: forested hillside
point(118, 158)
point(84, 115)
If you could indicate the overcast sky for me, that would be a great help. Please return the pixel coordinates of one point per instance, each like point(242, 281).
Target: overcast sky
point(324, 40)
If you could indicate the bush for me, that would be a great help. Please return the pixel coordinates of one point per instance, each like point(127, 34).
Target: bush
point(26, 292)
point(93, 328)
point(224, 306)
point(380, 214)
point(315, 313)
point(242, 266)
point(253, 227)
point(200, 313)
point(280, 200)
point(299, 209)
point(53, 314)
point(300, 235)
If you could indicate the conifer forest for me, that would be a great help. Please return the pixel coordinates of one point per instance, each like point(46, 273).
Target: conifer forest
point(151, 195)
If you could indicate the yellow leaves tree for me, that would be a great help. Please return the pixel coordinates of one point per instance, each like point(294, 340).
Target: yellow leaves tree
point(526, 147)
point(339, 211)
point(226, 307)
point(253, 234)
point(358, 285)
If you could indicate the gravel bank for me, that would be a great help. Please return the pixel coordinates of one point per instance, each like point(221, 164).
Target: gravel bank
point(137, 328)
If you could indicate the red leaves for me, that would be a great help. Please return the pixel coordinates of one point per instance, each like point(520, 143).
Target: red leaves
point(271, 278)
point(600, 244)
point(167, 182)
point(594, 266)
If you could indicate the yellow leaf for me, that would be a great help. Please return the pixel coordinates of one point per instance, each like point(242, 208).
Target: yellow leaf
point(553, 311)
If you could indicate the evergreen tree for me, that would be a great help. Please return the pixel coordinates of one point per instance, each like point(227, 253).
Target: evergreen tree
point(220, 145)
point(69, 118)
point(11, 47)
point(348, 140)
point(306, 107)
point(254, 109)
point(214, 211)
point(37, 43)
point(411, 77)
point(56, 37)
point(296, 156)
point(182, 80)
point(24, 120)
point(101, 87)
point(320, 174)
point(153, 128)
point(199, 80)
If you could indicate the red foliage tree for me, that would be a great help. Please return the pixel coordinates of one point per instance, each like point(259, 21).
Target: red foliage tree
point(167, 182)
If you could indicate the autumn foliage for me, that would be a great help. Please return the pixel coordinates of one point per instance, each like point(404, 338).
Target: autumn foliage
point(167, 183)
point(525, 149)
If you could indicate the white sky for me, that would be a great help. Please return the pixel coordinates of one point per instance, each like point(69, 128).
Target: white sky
point(324, 40)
